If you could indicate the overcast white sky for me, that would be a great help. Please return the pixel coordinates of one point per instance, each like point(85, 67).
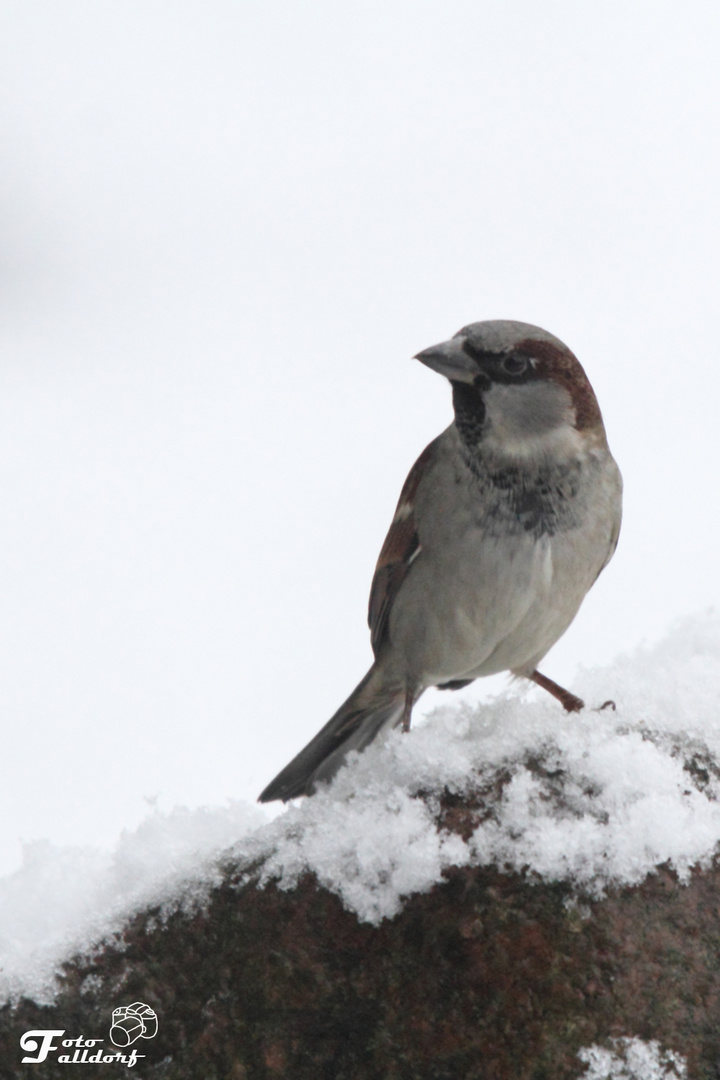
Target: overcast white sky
point(224, 230)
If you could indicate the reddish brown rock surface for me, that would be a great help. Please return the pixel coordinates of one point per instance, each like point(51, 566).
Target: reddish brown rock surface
point(488, 976)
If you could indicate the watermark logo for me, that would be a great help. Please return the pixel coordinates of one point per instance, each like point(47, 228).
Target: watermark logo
point(129, 1023)
point(133, 1022)
point(39, 1043)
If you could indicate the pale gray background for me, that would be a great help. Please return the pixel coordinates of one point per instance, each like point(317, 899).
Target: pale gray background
point(224, 230)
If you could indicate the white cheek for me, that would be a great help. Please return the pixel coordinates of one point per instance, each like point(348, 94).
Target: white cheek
point(531, 419)
point(559, 443)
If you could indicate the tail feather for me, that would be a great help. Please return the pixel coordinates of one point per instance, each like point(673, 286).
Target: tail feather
point(371, 707)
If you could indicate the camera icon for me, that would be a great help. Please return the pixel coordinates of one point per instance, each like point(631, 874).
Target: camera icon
point(132, 1022)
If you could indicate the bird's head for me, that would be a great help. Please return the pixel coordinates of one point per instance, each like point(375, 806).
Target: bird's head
point(516, 388)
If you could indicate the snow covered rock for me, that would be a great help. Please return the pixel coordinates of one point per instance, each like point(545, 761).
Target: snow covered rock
point(507, 893)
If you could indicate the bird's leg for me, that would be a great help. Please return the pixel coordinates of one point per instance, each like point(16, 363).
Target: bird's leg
point(566, 699)
point(407, 709)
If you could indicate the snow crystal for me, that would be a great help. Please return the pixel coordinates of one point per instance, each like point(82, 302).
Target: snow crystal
point(372, 849)
point(632, 1059)
point(597, 798)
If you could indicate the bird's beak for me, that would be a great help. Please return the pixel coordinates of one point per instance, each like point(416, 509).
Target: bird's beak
point(450, 360)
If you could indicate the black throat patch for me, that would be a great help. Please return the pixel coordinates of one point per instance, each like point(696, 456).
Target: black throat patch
point(470, 411)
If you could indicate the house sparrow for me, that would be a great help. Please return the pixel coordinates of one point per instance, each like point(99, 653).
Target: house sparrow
point(503, 524)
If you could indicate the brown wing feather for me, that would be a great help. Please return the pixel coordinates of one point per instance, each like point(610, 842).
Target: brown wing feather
point(401, 547)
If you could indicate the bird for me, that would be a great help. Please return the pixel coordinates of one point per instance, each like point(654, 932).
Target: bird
point(504, 523)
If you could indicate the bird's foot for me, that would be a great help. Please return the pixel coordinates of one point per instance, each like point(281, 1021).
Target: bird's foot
point(570, 702)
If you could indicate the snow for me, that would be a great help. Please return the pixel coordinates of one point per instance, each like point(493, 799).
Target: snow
point(597, 798)
point(632, 1059)
point(64, 899)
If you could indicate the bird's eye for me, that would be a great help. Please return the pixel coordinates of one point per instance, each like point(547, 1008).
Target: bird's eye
point(514, 364)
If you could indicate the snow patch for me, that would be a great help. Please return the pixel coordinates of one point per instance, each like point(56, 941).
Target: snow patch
point(632, 1059)
point(63, 900)
point(371, 848)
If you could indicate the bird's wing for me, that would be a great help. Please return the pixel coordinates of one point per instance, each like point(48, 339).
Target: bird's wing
point(616, 519)
point(401, 548)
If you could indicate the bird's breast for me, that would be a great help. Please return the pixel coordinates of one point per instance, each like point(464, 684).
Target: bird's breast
point(508, 552)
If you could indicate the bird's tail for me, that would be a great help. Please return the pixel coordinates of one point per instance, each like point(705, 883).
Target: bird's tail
point(372, 706)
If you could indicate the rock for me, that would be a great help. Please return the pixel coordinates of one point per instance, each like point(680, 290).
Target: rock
point(490, 975)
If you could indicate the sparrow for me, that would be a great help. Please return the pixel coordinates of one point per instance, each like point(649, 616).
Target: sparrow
point(504, 522)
